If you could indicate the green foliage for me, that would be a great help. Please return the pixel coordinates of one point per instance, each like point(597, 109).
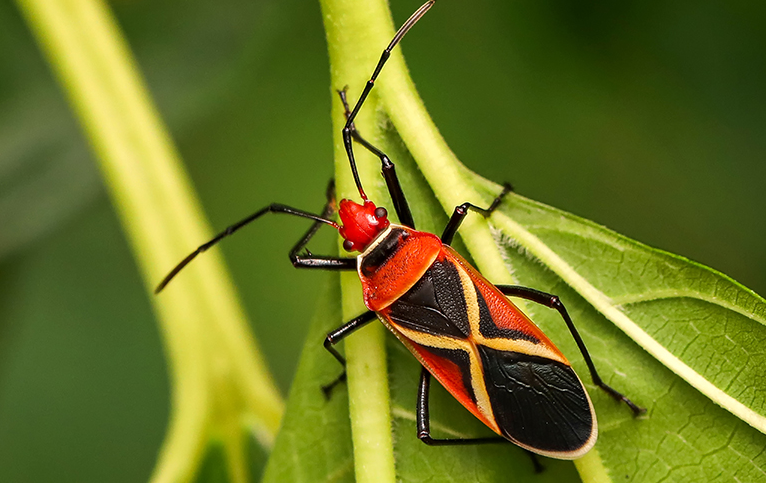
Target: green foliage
point(701, 327)
point(314, 443)
point(221, 387)
point(702, 317)
point(685, 436)
point(646, 119)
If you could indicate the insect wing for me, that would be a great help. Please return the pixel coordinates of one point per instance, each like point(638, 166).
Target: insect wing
point(452, 365)
point(538, 403)
point(493, 359)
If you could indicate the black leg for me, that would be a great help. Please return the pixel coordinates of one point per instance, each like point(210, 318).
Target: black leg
point(388, 169)
point(424, 420)
point(539, 468)
point(308, 259)
point(347, 129)
point(327, 263)
point(552, 301)
point(462, 211)
point(339, 334)
point(424, 425)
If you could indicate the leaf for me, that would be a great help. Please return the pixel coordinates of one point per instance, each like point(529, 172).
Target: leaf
point(314, 442)
point(704, 326)
point(684, 436)
point(605, 280)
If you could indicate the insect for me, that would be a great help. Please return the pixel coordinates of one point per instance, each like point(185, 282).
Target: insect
point(463, 329)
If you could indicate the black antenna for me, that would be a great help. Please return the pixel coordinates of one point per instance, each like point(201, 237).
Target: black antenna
point(272, 208)
point(348, 128)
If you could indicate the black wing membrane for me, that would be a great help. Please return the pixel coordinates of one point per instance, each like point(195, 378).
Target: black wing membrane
point(435, 304)
point(537, 402)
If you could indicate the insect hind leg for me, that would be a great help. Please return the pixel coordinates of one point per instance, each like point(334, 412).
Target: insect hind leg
point(424, 420)
point(552, 301)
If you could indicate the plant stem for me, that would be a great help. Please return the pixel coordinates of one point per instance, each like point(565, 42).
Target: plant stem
point(214, 361)
point(357, 31)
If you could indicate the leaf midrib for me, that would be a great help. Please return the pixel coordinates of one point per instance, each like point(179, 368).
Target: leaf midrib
point(656, 295)
point(601, 302)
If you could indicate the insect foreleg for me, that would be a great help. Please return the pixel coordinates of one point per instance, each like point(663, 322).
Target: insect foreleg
point(387, 168)
point(309, 260)
point(461, 211)
point(347, 129)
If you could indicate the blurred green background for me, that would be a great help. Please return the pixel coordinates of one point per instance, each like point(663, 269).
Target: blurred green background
point(647, 117)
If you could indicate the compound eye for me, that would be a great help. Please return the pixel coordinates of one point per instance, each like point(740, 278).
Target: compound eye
point(380, 212)
point(348, 245)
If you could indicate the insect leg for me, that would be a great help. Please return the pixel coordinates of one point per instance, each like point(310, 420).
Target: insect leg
point(308, 259)
point(539, 468)
point(552, 301)
point(347, 129)
point(337, 335)
point(461, 212)
point(327, 263)
point(388, 170)
point(424, 425)
point(424, 420)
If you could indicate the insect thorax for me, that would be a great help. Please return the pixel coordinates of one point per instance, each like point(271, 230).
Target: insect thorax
point(394, 262)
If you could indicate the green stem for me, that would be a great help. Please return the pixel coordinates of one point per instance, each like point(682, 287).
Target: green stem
point(357, 31)
point(215, 365)
point(439, 166)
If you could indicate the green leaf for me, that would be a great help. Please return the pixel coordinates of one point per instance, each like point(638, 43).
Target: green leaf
point(676, 337)
point(314, 443)
point(701, 324)
point(704, 324)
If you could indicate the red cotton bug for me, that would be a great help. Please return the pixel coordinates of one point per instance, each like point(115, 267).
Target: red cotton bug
point(463, 329)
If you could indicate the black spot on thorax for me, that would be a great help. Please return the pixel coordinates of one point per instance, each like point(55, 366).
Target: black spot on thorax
point(387, 248)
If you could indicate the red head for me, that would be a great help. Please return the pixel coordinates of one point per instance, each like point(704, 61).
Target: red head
point(361, 223)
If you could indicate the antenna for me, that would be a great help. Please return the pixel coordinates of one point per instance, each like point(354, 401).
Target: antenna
point(348, 128)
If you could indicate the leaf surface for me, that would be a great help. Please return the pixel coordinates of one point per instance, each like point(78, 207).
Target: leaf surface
point(704, 319)
point(314, 442)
